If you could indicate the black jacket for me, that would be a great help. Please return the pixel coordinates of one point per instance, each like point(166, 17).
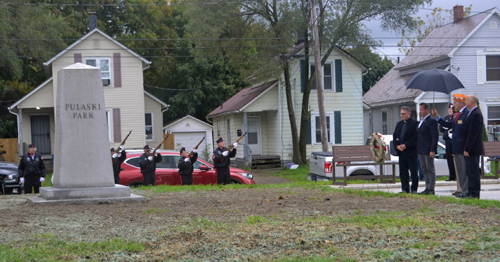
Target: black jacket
point(410, 137)
point(218, 157)
point(31, 167)
point(427, 136)
point(456, 126)
point(471, 134)
point(148, 166)
point(444, 129)
point(186, 168)
point(117, 166)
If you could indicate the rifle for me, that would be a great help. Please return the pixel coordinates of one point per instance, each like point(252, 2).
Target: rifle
point(196, 147)
point(156, 148)
point(231, 147)
point(123, 143)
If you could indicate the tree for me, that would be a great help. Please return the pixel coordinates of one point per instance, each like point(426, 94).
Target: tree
point(378, 67)
point(435, 19)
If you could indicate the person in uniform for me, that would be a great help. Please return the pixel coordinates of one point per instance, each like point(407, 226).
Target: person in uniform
point(222, 161)
point(447, 139)
point(31, 170)
point(147, 162)
point(185, 165)
point(118, 160)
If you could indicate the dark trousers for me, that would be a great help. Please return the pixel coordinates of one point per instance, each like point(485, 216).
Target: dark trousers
point(405, 164)
point(31, 184)
point(223, 175)
point(187, 179)
point(473, 175)
point(449, 160)
point(117, 178)
point(149, 179)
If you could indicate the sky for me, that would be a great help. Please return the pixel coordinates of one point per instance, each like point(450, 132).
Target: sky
point(390, 39)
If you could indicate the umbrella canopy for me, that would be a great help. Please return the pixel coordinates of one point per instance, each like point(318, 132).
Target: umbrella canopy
point(436, 80)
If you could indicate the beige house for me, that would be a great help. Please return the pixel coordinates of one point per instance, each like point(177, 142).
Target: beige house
point(128, 105)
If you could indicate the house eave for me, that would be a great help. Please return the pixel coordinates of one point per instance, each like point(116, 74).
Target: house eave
point(30, 93)
point(181, 119)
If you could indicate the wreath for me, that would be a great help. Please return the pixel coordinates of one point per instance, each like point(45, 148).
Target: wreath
point(378, 148)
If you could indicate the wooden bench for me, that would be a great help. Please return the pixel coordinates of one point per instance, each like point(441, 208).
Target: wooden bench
point(345, 155)
point(491, 149)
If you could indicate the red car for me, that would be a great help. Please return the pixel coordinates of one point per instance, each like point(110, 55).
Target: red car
point(167, 172)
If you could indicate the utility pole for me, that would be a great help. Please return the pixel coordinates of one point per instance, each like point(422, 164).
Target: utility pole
point(319, 78)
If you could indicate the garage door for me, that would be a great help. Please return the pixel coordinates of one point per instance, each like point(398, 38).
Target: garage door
point(189, 140)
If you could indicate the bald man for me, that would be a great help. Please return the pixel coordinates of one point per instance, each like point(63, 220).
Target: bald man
point(471, 144)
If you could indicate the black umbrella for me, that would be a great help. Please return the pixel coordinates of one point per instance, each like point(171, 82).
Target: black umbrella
point(436, 80)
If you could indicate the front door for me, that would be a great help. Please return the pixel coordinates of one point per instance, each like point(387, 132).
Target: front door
point(40, 133)
point(254, 136)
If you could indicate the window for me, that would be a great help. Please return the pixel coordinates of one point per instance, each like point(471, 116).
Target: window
point(108, 120)
point(327, 76)
point(149, 126)
point(228, 132)
point(494, 115)
point(218, 129)
point(384, 123)
point(493, 68)
point(316, 128)
point(103, 64)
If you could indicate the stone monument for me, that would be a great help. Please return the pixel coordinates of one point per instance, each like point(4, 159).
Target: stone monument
point(82, 163)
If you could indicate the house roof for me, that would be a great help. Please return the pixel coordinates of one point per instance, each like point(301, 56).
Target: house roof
point(169, 124)
point(30, 93)
point(242, 99)
point(85, 37)
point(439, 44)
point(299, 48)
point(165, 105)
point(442, 40)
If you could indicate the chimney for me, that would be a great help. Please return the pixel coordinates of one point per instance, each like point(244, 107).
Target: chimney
point(458, 13)
point(92, 21)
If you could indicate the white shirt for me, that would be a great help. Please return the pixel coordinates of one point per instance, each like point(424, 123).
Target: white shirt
point(423, 119)
point(470, 111)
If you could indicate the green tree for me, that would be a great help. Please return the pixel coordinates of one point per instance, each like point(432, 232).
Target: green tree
point(377, 65)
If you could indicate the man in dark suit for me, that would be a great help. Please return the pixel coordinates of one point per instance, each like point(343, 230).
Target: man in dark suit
point(458, 157)
point(471, 143)
point(405, 140)
point(427, 147)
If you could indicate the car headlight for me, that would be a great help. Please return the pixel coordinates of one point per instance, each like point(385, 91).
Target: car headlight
point(10, 178)
point(247, 175)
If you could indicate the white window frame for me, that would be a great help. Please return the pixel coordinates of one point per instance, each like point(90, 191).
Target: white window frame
point(487, 113)
point(332, 75)
point(313, 127)
point(98, 65)
point(228, 130)
point(486, 54)
point(218, 129)
point(109, 118)
point(152, 126)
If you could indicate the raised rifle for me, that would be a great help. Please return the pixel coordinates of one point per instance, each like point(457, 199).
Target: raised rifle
point(232, 146)
point(156, 148)
point(196, 147)
point(123, 143)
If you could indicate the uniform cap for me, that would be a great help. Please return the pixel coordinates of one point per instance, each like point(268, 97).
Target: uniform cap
point(451, 106)
point(31, 146)
point(459, 98)
point(219, 140)
point(146, 147)
point(182, 149)
point(112, 149)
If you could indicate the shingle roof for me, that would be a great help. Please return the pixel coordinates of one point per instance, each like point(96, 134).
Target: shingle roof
point(241, 99)
point(438, 44)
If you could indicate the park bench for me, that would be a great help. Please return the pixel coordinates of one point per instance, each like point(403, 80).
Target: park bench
point(491, 149)
point(346, 156)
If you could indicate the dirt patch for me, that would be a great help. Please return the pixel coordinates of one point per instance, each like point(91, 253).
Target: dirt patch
point(262, 178)
point(250, 224)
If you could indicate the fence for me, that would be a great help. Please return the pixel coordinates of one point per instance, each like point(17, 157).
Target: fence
point(9, 145)
point(170, 143)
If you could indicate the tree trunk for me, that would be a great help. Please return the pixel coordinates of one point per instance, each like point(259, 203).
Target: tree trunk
point(319, 79)
point(305, 115)
point(291, 114)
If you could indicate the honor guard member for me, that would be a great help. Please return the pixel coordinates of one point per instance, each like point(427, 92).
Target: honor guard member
point(31, 170)
point(222, 161)
point(185, 165)
point(147, 162)
point(118, 160)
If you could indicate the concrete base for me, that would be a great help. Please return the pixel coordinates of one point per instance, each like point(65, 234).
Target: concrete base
point(86, 201)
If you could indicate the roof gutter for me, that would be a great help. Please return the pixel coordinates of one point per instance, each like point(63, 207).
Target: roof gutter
point(224, 113)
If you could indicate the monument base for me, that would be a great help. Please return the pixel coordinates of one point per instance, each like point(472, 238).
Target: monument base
point(85, 195)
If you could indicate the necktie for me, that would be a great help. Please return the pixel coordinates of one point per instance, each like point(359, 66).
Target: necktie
point(458, 115)
point(402, 135)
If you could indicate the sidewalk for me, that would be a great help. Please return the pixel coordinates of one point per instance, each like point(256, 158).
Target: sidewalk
point(490, 188)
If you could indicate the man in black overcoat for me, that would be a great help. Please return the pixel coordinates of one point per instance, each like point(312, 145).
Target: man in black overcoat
point(405, 140)
point(221, 162)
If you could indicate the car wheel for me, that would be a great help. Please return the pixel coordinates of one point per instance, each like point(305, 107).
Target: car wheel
point(235, 181)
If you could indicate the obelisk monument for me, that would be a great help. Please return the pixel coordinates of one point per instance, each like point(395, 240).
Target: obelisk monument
point(82, 162)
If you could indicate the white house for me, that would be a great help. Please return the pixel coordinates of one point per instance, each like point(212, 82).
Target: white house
point(128, 105)
point(467, 48)
point(261, 110)
point(188, 132)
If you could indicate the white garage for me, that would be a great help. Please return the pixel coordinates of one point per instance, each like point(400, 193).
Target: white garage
point(188, 132)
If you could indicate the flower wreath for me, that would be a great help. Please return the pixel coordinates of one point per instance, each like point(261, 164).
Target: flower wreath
point(378, 148)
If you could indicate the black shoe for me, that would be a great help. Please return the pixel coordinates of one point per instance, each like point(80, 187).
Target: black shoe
point(456, 193)
point(413, 192)
point(403, 192)
point(431, 192)
point(425, 192)
point(463, 196)
point(450, 179)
